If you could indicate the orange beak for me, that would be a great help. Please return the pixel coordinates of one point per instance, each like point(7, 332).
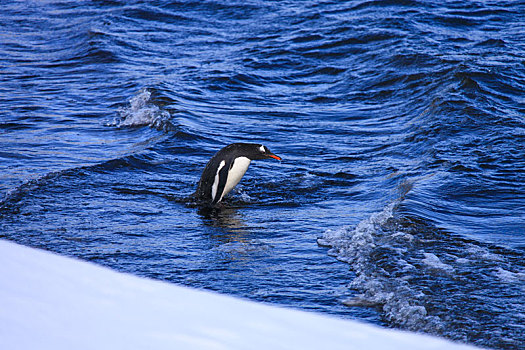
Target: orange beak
point(274, 156)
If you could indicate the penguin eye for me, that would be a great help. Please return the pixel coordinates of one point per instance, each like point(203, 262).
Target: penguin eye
point(262, 149)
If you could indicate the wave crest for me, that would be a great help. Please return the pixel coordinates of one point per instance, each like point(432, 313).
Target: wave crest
point(142, 111)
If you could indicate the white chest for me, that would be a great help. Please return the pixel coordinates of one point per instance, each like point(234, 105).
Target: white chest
point(240, 165)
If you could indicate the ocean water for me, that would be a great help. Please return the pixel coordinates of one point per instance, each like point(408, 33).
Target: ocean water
point(400, 199)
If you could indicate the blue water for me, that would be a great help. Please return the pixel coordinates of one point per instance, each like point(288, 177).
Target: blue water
point(400, 199)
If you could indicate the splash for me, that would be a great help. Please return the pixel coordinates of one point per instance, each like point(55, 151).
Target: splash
point(142, 111)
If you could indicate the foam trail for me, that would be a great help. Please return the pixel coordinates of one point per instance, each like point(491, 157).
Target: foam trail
point(376, 250)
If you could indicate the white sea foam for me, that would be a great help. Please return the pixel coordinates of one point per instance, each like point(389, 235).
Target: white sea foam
point(141, 111)
point(462, 260)
point(435, 264)
point(482, 253)
point(367, 246)
point(245, 197)
point(509, 276)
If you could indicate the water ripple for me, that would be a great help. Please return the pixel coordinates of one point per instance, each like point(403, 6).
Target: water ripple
point(400, 124)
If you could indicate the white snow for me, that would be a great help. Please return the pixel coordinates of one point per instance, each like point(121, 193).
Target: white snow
point(53, 302)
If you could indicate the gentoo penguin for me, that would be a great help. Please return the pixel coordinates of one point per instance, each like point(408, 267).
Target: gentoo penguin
point(226, 168)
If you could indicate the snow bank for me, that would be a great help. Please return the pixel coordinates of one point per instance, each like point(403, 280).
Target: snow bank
point(52, 302)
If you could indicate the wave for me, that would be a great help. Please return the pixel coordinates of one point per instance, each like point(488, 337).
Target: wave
point(428, 280)
point(366, 247)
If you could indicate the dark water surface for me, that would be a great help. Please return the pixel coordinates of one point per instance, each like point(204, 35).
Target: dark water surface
point(400, 199)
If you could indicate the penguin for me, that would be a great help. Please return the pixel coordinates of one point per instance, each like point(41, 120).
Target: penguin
point(226, 168)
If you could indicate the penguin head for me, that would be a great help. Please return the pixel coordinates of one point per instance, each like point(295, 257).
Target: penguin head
point(262, 152)
point(251, 151)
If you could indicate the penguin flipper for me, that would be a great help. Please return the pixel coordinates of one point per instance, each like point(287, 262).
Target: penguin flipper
point(223, 178)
